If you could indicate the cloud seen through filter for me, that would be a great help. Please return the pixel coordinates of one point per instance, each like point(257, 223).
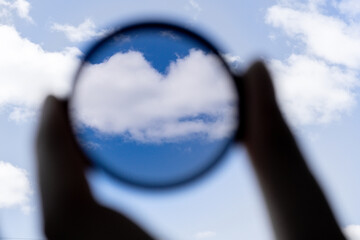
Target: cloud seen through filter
point(125, 95)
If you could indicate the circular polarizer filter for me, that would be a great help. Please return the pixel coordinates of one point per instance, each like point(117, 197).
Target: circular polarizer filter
point(154, 105)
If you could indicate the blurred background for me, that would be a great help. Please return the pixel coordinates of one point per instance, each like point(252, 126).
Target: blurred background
point(311, 47)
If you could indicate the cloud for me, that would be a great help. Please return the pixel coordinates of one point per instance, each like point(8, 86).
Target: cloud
point(352, 232)
point(83, 32)
point(311, 91)
point(15, 188)
point(21, 114)
point(349, 7)
point(170, 34)
point(205, 235)
point(29, 73)
point(327, 37)
point(125, 95)
point(21, 7)
point(316, 84)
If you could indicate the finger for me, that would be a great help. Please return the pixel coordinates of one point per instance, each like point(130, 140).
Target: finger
point(60, 163)
point(259, 86)
point(262, 115)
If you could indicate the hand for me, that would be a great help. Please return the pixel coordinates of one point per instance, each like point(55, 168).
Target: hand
point(69, 209)
point(297, 207)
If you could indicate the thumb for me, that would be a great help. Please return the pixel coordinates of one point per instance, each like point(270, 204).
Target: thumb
point(262, 115)
point(59, 161)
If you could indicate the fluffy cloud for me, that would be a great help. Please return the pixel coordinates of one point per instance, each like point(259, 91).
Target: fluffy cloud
point(311, 91)
point(126, 95)
point(15, 188)
point(83, 32)
point(29, 73)
point(327, 37)
point(349, 7)
point(317, 84)
point(352, 232)
point(21, 7)
point(205, 235)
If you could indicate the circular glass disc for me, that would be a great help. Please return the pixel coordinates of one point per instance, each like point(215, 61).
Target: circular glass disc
point(154, 105)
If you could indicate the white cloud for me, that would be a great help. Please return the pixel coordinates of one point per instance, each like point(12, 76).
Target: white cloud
point(349, 7)
point(29, 73)
point(15, 188)
point(83, 32)
point(317, 84)
point(327, 37)
point(21, 7)
point(126, 95)
point(311, 91)
point(352, 232)
point(21, 114)
point(205, 235)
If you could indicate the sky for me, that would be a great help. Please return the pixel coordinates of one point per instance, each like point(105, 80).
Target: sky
point(312, 49)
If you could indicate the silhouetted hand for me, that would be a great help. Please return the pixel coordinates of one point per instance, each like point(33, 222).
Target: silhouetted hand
point(296, 204)
point(297, 207)
point(69, 209)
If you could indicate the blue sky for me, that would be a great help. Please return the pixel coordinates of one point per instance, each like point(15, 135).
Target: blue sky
point(312, 48)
